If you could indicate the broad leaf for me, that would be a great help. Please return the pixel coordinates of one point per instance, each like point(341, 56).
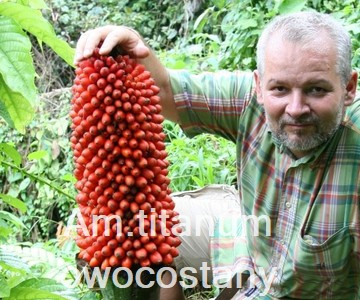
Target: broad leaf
point(37, 155)
point(33, 22)
point(16, 68)
point(5, 115)
point(15, 202)
point(18, 107)
point(4, 287)
point(25, 293)
point(10, 262)
point(37, 4)
point(11, 152)
point(45, 284)
point(11, 218)
point(41, 288)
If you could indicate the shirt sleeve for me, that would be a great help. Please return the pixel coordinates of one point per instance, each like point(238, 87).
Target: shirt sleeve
point(228, 248)
point(211, 102)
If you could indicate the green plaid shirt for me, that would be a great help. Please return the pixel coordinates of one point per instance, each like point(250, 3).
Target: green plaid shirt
point(312, 248)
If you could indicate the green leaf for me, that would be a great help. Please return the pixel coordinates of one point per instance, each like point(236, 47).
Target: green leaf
point(37, 155)
point(16, 66)
point(37, 4)
point(33, 22)
point(45, 284)
point(5, 230)
point(201, 20)
point(11, 218)
point(5, 114)
point(18, 107)
point(4, 287)
point(198, 181)
point(354, 28)
point(11, 152)
point(11, 262)
point(247, 23)
point(24, 184)
point(291, 6)
point(20, 293)
point(69, 177)
point(219, 3)
point(20, 205)
point(41, 288)
point(14, 176)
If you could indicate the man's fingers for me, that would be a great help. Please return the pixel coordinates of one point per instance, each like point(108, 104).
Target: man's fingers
point(91, 41)
point(80, 48)
point(128, 39)
point(111, 36)
point(88, 42)
point(141, 50)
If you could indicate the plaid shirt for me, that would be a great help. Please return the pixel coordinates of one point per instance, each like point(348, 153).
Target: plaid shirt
point(312, 248)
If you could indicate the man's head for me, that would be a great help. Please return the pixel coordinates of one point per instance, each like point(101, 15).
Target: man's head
point(304, 79)
point(303, 28)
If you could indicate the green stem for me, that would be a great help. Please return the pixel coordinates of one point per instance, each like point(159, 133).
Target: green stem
point(36, 178)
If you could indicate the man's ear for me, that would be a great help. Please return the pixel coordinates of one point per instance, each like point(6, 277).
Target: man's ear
point(351, 88)
point(259, 95)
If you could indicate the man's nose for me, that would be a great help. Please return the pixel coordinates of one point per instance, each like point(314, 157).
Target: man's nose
point(297, 104)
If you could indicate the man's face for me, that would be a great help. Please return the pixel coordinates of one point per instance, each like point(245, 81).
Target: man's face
point(302, 94)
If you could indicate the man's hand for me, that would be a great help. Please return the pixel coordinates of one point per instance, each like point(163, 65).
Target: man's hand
point(111, 37)
point(128, 41)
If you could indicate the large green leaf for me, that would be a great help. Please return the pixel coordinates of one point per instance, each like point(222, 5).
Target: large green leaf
point(41, 288)
point(26, 293)
point(33, 22)
point(15, 202)
point(16, 68)
point(36, 4)
point(45, 284)
point(18, 107)
point(5, 114)
point(5, 215)
point(4, 287)
point(12, 263)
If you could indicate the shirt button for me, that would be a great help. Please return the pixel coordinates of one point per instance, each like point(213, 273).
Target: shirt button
point(288, 204)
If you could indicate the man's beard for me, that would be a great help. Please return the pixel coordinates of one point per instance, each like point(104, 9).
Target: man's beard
point(323, 130)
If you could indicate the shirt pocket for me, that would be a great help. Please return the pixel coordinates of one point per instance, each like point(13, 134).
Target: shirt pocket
point(329, 259)
point(325, 266)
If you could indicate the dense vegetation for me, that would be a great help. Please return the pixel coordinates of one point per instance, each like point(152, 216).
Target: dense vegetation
point(37, 193)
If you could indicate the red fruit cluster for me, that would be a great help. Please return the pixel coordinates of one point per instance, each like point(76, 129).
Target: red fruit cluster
point(120, 165)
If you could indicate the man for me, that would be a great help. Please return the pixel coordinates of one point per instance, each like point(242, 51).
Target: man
point(297, 130)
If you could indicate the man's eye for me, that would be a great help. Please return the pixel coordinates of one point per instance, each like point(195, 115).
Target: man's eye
point(316, 91)
point(279, 89)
